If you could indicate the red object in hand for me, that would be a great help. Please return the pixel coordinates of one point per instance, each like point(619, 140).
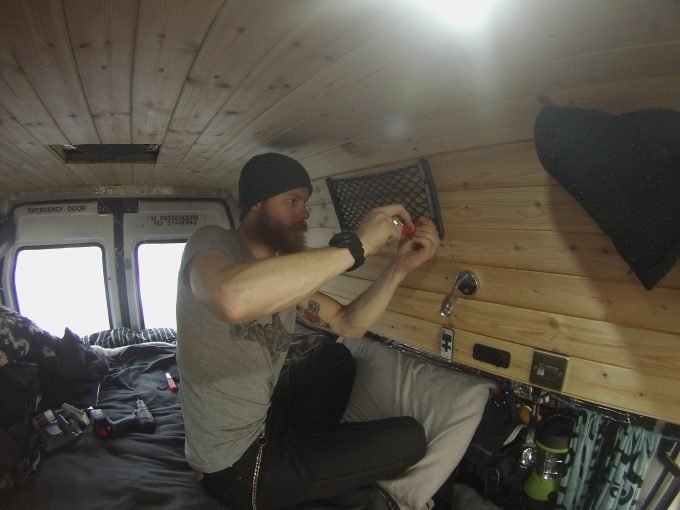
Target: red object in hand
point(171, 382)
point(406, 230)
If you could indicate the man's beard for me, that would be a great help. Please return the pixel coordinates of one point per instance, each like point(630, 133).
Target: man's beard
point(279, 238)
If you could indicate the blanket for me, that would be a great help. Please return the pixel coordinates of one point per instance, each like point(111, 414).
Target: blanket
point(625, 172)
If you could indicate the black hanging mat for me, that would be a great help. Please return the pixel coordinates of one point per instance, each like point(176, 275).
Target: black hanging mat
point(625, 171)
point(412, 187)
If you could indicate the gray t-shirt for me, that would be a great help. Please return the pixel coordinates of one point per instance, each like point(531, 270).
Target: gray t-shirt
point(227, 371)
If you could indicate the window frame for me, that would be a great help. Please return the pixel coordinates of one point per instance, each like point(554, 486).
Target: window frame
point(50, 246)
point(138, 290)
point(139, 226)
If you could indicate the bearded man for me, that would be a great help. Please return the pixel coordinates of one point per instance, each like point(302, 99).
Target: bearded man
point(258, 436)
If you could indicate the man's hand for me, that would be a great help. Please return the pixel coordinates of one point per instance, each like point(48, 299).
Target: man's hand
point(418, 247)
point(377, 229)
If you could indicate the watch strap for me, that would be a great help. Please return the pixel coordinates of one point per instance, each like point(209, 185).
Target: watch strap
point(350, 241)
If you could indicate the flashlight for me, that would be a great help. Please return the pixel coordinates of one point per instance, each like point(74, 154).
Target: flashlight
point(405, 229)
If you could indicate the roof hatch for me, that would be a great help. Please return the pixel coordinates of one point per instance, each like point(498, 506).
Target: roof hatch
point(107, 153)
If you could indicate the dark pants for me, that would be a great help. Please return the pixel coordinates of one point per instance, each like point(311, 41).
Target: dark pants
point(309, 455)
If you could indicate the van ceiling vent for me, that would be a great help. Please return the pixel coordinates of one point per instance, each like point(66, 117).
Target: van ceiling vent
point(412, 187)
point(108, 153)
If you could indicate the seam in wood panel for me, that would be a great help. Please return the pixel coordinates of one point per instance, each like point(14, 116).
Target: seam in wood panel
point(573, 328)
point(77, 69)
point(132, 72)
point(193, 63)
point(409, 161)
point(609, 51)
point(371, 271)
point(671, 281)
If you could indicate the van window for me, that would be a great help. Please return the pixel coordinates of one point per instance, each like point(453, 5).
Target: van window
point(157, 267)
point(63, 287)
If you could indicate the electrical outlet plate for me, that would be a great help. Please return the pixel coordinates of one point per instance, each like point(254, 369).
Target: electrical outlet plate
point(548, 369)
point(446, 343)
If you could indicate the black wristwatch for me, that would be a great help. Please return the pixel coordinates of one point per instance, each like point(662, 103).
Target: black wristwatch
point(350, 241)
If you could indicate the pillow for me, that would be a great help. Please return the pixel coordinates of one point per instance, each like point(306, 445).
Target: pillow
point(67, 365)
point(625, 172)
point(449, 405)
point(121, 337)
point(21, 338)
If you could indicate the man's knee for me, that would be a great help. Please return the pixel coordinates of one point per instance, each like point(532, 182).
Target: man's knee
point(337, 356)
point(414, 443)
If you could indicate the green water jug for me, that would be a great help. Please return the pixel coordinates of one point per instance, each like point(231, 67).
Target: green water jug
point(552, 446)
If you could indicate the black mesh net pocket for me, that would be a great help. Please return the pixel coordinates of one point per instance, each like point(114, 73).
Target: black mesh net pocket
point(411, 187)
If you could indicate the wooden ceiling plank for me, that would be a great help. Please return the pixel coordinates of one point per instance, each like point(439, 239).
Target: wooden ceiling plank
point(123, 173)
point(325, 35)
point(414, 132)
point(388, 113)
point(16, 139)
point(584, 28)
point(102, 36)
point(607, 44)
point(84, 173)
point(27, 169)
point(506, 122)
point(168, 39)
point(497, 124)
point(143, 174)
point(20, 99)
point(39, 40)
point(240, 40)
point(104, 173)
point(14, 179)
point(353, 71)
point(393, 96)
point(113, 174)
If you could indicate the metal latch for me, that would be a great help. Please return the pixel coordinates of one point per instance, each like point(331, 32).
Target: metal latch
point(548, 369)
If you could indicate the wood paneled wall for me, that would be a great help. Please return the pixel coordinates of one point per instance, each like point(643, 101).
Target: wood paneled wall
point(549, 279)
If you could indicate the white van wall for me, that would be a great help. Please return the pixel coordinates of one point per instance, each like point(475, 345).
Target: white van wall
point(158, 221)
point(61, 224)
point(71, 223)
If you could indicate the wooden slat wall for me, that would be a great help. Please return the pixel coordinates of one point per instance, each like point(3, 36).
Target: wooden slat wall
point(339, 85)
point(549, 279)
point(364, 85)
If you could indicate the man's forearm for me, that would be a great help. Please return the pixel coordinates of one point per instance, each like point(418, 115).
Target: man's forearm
point(255, 289)
point(365, 310)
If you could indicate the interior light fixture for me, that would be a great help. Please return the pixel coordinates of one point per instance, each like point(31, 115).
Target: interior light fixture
point(466, 14)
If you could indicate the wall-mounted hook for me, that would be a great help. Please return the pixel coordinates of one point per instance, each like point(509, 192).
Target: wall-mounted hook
point(466, 283)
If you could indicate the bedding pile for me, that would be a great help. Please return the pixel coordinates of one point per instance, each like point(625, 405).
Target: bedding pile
point(137, 469)
point(38, 371)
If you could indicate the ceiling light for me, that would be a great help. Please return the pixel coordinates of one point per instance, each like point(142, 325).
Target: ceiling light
point(460, 13)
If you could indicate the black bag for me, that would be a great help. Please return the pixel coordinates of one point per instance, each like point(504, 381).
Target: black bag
point(19, 442)
point(489, 466)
